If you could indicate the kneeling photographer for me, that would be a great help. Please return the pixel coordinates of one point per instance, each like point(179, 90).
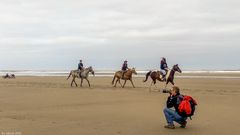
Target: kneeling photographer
point(173, 115)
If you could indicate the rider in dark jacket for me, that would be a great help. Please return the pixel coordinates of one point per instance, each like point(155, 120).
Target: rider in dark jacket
point(124, 68)
point(163, 67)
point(80, 65)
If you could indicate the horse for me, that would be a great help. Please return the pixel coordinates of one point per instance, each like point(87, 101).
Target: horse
point(11, 76)
point(81, 74)
point(157, 75)
point(127, 76)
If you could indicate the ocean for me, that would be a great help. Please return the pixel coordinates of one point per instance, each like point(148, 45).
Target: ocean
point(107, 73)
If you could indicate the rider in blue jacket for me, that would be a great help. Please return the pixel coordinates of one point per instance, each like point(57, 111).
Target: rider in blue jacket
point(80, 65)
point(163, 67)
point(124, 68)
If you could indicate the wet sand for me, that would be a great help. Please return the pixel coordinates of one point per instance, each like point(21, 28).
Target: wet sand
point(49, 106)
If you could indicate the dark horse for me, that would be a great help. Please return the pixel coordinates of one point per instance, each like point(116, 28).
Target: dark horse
point(9, 76)
point(157, 75)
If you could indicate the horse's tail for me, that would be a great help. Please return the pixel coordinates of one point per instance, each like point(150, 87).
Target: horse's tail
point(113, 79)
point(69, 75)
point(147, 75)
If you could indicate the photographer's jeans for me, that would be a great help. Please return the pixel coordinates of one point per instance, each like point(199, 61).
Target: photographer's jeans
point(172, 115)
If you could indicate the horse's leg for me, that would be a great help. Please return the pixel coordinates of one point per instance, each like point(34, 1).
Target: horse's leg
point(166, 84)
point(75, 82)
point(119, 82)
point(88, 82)
point(155, 85)
point(72, 82)
point(116, 82)
point(150, 87)
point(172, 83)
point(81, 82)
point(124, 83)
point(132, 83)
point(154, 82)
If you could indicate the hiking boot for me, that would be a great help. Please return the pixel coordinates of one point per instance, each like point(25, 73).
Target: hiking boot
point(169, 126)
point(183, 124)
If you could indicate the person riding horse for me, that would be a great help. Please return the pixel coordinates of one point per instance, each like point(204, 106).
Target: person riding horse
point(124, 68)
point(163, 67)
point(155, 75)
point(80, 67)
point(83, 75)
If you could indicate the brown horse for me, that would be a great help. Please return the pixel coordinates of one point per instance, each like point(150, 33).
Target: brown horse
point(127, 76)
point(157, 75)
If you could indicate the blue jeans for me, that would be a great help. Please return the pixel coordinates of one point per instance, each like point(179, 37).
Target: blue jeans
point(172, 115)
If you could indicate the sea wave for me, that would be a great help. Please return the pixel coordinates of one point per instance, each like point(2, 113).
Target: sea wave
point(106, 73)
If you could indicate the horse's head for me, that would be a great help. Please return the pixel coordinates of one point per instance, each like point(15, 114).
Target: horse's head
point(91, 70)
point(134, 71)
point(176, 68)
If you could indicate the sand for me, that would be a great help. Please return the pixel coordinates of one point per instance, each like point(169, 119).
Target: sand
point(49, 106)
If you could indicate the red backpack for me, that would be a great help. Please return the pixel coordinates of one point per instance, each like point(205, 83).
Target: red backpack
point(186, 107)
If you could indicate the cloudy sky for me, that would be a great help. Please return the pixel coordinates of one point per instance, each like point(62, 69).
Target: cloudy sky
point(55, 34)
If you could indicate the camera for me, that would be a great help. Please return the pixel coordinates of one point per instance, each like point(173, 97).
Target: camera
point(166, 91)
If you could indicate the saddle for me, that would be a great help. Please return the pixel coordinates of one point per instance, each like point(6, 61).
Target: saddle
point(123, 73)
point(79, 72)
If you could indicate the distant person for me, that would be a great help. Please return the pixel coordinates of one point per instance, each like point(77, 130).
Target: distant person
point(124, 68)
point(80, 65)
point(164, 67)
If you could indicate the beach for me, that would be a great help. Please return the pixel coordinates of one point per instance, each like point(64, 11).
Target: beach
point(49, 106)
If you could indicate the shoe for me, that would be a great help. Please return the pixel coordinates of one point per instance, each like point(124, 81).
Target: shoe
point(169, 126)
point(183, 124)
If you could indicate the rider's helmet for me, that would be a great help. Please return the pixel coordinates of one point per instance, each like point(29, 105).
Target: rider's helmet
point(164, 59)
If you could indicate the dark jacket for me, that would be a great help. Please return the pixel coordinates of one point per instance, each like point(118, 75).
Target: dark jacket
point(163, 65)
point(124, 67)
point(80, 66)
point(174, 101)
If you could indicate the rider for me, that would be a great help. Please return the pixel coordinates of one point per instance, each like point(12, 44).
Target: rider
point(124, 68)
point(80, 66)
point(163, 67)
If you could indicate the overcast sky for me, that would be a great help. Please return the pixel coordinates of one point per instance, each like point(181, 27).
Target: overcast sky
point(55, 34)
